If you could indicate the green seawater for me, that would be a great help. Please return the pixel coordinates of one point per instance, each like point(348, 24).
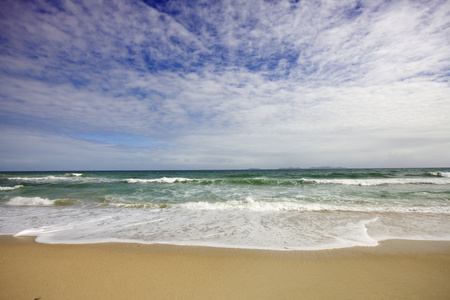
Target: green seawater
point(232, 207)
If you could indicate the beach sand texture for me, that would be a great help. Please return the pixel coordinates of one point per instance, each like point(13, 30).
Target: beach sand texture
point(393, 270)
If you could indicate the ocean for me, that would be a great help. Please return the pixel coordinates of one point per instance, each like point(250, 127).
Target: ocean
point(293, 209)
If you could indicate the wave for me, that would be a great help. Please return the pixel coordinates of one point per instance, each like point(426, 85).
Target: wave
point(263, 181)
point(45, 179)
point(234, 180)
point(351, 175)
point(35, 178)
point(30, 201)
point(441, 180)
point(139, 205)
point(75, 175)
point(159, 180)
point(385, 181)
point(38, 201)
point(63, 179)
point(251, 204)
point(439, 174)
point(361, 177)
point(10, 188)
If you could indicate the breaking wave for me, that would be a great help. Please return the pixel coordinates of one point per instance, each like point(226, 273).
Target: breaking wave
point(10, 188)
point(51, 179)
point(251, 204)
point(440, 180)
point(439, 174)
point(74, 175)
point(158, 180)
point(38, 201)
point(384, 181)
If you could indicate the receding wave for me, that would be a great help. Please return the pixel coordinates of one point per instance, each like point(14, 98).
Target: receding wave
point(10, 188)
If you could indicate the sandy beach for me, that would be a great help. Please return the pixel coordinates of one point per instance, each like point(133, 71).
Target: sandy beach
point(393, 270)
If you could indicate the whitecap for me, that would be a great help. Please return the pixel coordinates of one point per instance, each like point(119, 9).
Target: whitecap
point(444, 174)
point(10, 188)
point(75, 174)
point(159, 180)
point(30, 201)
point(40, 179)
point(384, 181)
point(250, 204)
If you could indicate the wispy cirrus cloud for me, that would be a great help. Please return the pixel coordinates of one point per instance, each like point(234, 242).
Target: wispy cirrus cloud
point(228, 84)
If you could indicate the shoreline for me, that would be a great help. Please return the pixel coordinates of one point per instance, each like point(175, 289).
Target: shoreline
point(395, 269)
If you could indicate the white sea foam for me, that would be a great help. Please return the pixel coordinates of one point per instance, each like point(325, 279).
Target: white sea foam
point(159, 180)
point(251, 204)
point(76, 174)
point(10, 188)
point(206, 228)
point(57, 179)
point(44, 179)
point(241, 228)
point(383, 181)
point(258, 206)
point(232, 229)
point(38, 179)
point(30, 201)
point(440, 174)
point(355, 234)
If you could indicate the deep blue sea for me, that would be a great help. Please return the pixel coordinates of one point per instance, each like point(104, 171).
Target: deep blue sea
point(258, 209)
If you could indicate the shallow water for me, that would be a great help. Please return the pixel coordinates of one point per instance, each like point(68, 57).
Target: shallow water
point(261, 209)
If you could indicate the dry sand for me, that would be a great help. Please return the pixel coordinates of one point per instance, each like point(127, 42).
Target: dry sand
point(393, 270)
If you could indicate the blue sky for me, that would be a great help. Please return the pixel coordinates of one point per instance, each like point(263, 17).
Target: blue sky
point(90, 85)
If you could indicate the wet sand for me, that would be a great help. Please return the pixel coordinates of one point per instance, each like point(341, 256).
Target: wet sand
point(393, 270)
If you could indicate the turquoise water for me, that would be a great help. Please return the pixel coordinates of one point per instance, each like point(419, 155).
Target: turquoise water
point(261, 209)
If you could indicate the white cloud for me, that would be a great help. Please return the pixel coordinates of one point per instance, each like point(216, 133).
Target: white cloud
point(230, 84)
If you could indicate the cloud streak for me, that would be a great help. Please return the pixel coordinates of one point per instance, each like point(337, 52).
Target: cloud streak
point(227, 84)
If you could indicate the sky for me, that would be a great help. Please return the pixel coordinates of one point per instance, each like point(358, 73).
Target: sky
point(170, 85)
